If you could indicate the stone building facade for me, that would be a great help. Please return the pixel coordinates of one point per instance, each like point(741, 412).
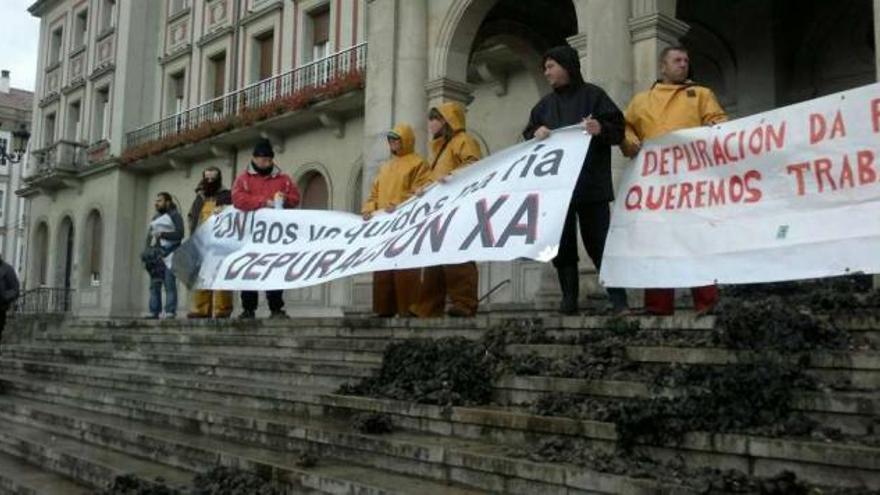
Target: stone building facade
point(15, 115)
point(137, 97)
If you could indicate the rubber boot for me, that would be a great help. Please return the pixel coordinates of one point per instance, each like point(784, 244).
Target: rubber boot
point(569, 282)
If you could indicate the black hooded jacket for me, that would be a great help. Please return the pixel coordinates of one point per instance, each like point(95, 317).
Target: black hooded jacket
point(570, 105)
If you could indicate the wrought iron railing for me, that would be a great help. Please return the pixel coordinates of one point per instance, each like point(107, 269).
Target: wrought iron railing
point(62, 155)
point(313, 74)
point(44, 300)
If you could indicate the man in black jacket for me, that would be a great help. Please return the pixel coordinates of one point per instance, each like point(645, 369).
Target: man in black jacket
point(574, 101)
point(9, 288)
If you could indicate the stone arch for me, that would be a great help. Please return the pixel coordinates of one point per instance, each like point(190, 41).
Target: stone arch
point(314, 185)
point(92, 245)
point(455, 38)
point(39, 263)
point(713, 63)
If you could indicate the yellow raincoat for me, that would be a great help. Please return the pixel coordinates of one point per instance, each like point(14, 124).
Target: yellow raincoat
point(662, 109)
point(394, 291)
point(668, 107)
point(459, 281)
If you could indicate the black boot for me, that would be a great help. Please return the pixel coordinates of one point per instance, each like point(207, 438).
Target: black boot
point(569, 282)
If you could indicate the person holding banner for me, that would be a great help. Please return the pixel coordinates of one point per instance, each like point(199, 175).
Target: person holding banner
point(574, 101)
point(673, 103)
point(451, 149)
point(263, 185)
point(394, 291)
point(163, 237)
point(210, 197)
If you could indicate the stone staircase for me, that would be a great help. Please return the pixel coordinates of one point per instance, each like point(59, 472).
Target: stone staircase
point(85, 401)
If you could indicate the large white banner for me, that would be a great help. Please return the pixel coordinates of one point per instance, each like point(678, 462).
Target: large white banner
point(788, 194)
point(509, 205)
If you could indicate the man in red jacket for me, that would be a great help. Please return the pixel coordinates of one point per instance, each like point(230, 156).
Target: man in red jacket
point(263, 185)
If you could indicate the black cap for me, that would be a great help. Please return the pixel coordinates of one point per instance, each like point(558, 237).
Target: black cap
point(264, 148)
point(569, 59)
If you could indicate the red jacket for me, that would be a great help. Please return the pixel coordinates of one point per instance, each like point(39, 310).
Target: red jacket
point(251, 190)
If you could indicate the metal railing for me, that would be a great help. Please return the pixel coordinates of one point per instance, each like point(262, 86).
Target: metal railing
point(312, 75)
point(44, 300)
point(62, 155)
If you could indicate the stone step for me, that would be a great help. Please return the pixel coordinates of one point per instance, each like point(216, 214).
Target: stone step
point(303, 378)
point(77, 460)
point(853, 412)
point(860, 368)
point(21, 478)
point(823, 463)
point(195, 452)
point(243, 365)
point(248, 393)
point(443, 460)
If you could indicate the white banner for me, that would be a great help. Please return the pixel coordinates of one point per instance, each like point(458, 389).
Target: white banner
point(788, 194)
point(509, 205)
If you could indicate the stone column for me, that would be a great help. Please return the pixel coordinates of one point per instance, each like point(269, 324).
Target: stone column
point(652, 27)
point(877, 37)
point(410, 105)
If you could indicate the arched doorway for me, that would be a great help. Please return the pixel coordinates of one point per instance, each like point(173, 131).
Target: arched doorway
point(92, 256)
point(40, 262)
point(315, 191)
point(64, 268)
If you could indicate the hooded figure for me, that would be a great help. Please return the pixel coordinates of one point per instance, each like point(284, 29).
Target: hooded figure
point(674, 102)
point(394, 291)
point(451, 148)
point(574, 101)
point(210, 197)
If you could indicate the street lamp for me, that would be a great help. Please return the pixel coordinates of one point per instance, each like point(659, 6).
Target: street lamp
point(19, 146)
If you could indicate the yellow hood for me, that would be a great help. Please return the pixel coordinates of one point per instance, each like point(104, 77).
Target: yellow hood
point(407, 138)
point(453, 113)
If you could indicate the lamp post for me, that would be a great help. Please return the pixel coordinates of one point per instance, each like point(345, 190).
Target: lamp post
point(19, 146)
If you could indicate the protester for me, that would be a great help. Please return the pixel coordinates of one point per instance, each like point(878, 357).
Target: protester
point(211, 196)
point(263, 185)
point(451, 149)
point(674, 102)
point(164, 236)
point(574, 101)
point(394, 291)
point(9, 291)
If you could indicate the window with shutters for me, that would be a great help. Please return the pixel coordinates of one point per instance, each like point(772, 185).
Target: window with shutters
point(320, 26)
point(55, 44)
point(49, 130)
point(176, 93)
point(265, 48)
point(80, 28)
point(102, 114)
point(74, 116)
point(108, 14)
point(218, 75)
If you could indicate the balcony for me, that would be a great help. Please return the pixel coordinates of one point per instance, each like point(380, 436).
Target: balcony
point(323, 92)
point(55, 167)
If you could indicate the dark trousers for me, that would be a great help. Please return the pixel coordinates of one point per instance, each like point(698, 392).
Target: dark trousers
point(593, 218)
point(274, 297)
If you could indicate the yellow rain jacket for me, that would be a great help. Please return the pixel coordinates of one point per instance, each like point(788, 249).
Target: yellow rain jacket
point(397, 178)
point(460, 151)
point(668, 107)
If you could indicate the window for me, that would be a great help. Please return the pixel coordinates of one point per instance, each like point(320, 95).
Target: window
point(49, 130)
point(102, 113)
point(178, 6)
point(80, 28)
point(176, 92)
point(55, 43)
point(218, 75)
point(265, 46)
point(74, 116)
point(320, 21)
point(3, 144)
point(108, 14)
point(3, 205)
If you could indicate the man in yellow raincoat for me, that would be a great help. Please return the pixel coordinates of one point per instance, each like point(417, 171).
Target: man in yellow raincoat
point(451, 149)
point(211, 196)
point(674, 102)
point(394, 291)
